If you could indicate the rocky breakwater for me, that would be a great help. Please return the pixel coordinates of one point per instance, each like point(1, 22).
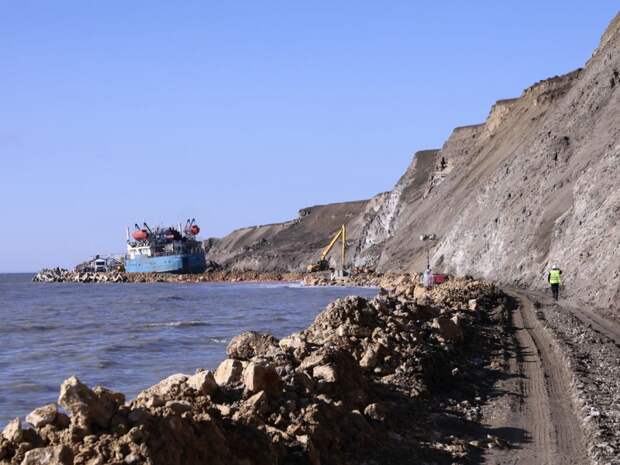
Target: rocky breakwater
point(61, 275)
point(230, 276)
point(357, 386)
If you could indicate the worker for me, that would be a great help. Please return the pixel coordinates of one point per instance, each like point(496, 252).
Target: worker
point(427, 278)
point(555, 279)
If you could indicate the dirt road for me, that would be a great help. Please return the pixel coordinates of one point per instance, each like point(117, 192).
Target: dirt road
point(534, 408)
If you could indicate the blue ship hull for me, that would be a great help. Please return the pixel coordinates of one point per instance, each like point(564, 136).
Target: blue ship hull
point(187, 264)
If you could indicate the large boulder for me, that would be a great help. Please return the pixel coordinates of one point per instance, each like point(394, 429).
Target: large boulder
point(229, 372)
point(43, 416)
point(261, 377)
point(337, 373)
point(203, 382)
point(252, 344)
point(59, 455)
point(87, 407)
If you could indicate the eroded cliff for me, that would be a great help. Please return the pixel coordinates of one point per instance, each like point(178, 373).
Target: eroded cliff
point(536, 183)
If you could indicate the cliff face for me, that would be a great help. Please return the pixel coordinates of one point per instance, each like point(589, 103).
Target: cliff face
point(537, 183)
point(289, 246)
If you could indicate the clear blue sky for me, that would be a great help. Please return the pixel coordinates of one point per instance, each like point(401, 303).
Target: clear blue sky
point(240, 113)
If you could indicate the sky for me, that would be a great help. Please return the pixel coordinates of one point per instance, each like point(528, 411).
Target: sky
point(241, 113)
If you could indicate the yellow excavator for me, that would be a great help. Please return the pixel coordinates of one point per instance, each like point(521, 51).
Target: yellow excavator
point(323, 263)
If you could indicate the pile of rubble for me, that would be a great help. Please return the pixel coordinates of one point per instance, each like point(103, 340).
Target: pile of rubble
point(61, 275)
point(370, 279)
point(352, 388)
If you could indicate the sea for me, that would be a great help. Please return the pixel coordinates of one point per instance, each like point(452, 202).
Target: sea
point(128, 337)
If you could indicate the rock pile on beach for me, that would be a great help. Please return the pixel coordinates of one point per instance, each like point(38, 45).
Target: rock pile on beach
point(368, 279)
point(354, 387)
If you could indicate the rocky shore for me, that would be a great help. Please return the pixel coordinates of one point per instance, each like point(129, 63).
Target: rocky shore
point(356, 280)
point(370, 381)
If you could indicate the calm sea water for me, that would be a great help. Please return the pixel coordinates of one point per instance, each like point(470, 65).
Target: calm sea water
point(129, 336)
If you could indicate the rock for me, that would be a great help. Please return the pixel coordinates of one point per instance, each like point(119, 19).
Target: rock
point(260, 377)
point(473, 305)
point(372, 356)
point(59, 455)
point(110, 400)
point(178, 406)
point(420, 292)
point(229, 372)
point(376, 412)
point(294, 343)
point(43, 416)
point(325, 373)
point(447, 329)
point(132, 459)
point(84, 405)
point(257, 404)
point(224, 409)
point(62, 421)
point(203, 382)
point(164, 388)
point(13, 431)
point(251, 344)
point(337, 372)
point(139, 416)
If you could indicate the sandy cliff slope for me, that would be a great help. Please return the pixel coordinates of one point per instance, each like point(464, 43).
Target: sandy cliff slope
point(289, 246)
point(538, 182)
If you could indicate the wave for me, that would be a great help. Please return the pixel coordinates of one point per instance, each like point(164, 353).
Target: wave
point(268, 285)
point(28, 328)
point(177, 324)
point(296, 285)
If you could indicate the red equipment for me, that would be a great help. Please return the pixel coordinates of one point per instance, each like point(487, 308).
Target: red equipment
point(140, 235)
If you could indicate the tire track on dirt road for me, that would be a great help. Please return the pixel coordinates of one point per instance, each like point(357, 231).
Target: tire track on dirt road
point(539, 419)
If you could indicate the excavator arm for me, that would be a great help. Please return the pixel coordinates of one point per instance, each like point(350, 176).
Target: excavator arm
point(322, 264)
point(331, 245)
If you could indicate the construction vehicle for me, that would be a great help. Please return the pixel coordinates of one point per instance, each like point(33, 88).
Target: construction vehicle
point(323, 263)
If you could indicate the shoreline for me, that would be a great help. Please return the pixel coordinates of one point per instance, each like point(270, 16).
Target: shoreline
point(352, 372)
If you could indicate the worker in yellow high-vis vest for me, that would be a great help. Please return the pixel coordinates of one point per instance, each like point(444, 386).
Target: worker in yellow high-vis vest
point(555, 279)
